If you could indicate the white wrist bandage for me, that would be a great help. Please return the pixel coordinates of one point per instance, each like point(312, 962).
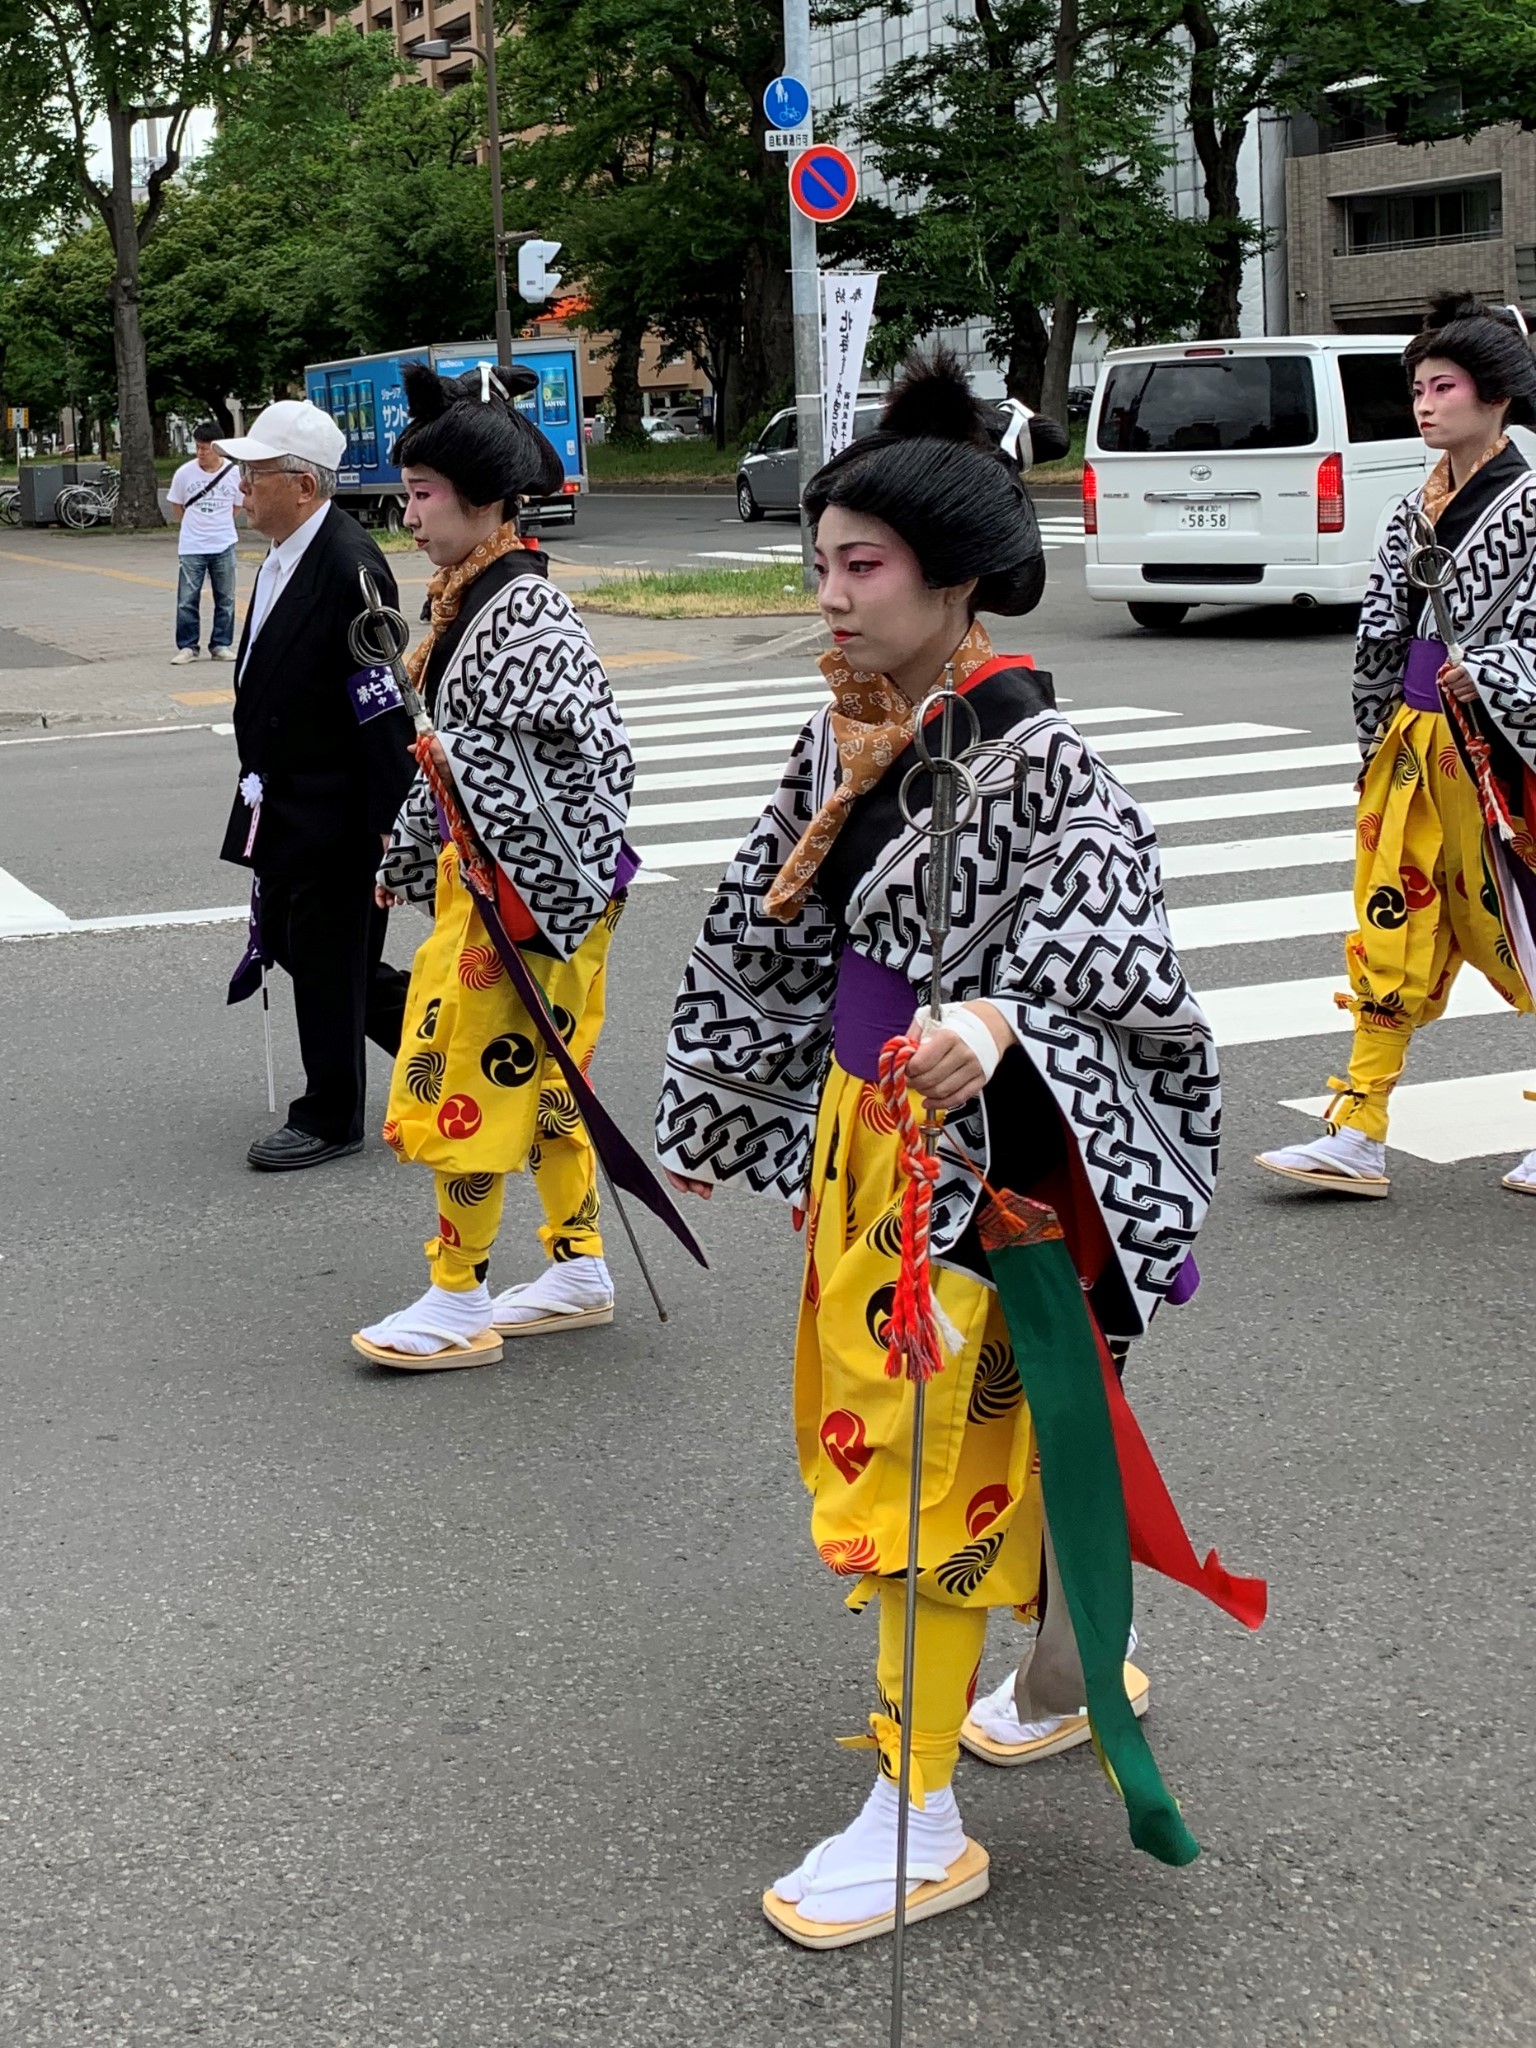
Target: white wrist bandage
point(966, 1025)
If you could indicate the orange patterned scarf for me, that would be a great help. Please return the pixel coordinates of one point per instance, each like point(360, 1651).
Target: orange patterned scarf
point(872, 723)
point(1439, 490)
point(446, 591)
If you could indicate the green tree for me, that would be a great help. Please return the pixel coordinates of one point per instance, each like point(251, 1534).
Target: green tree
point(67, 65)
point(645, 117)
point(1026, 147)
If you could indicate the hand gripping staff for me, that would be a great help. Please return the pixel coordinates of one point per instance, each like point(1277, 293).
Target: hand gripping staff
point(379, 636)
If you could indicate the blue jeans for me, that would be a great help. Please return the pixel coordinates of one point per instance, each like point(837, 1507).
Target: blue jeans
point(220, 571)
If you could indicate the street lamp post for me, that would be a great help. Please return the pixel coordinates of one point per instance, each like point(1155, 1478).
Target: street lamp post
point(435, 52)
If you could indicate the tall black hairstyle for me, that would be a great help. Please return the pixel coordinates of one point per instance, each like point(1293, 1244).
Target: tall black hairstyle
point(932, 471)
point(1486, 342)
point(469, 430)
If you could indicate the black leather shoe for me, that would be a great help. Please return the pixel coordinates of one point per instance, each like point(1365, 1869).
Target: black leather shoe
point(287, 1149)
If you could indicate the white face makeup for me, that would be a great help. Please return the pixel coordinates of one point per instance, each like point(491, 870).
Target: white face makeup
point(1448, 410)
point(445, 528)
point(876, 606)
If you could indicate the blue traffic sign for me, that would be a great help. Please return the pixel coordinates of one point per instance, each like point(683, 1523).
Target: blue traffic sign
point(823, 183)
point(787, 103)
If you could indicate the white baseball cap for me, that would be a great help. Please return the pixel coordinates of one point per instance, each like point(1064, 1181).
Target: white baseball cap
point(290, 427)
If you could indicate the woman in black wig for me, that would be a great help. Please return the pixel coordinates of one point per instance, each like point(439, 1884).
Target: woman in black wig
point(1078, 1080)
point(531, 739)
point(1445, 866)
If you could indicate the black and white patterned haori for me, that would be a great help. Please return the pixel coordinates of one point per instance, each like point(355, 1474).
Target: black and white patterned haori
point(539, 756)
point(1490, 528)
point(1059, 921)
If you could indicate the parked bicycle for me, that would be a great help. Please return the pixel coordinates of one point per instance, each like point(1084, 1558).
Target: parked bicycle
point(82, 506)
point(10, 504)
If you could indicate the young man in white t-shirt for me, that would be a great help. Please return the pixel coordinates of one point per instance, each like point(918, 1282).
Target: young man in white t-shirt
point(203, 498)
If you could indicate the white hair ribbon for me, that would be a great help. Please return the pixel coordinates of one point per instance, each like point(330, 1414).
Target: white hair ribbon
point(1524, 329)
point(488, 377)
point(1015, 434)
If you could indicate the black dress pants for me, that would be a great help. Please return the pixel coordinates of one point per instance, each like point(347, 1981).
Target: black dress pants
point(328, 933)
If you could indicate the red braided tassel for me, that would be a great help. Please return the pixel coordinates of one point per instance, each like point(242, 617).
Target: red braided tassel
point(471, 858)
point(1495, 810)
point(914, 1338)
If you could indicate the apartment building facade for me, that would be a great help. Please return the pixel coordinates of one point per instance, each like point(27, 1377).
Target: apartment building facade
point(1377, 226)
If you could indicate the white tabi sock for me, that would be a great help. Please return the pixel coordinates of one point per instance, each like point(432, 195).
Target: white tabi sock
point(567, 1289)
point(1344, 1152)
point(997, 1716)
point(1525, 1171)
point(852, 1876)
point(439, 1319)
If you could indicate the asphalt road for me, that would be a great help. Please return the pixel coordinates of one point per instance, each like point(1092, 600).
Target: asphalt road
point(352, 1712)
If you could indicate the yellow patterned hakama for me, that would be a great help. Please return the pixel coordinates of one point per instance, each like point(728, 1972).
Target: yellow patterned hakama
point(979, 1542)
point(1427, 904)
point(475, 1094)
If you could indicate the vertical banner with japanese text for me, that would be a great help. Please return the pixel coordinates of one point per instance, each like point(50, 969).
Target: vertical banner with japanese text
point(847, 306)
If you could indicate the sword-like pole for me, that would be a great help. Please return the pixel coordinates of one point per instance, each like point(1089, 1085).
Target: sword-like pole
point(949, 775)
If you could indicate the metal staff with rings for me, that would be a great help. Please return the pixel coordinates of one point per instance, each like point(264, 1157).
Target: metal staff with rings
point(1432, 569)
point(953, 799)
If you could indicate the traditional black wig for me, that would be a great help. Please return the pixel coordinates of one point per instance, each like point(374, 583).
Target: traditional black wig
point(1486, 342)
point(933, 473)
point(468, 429)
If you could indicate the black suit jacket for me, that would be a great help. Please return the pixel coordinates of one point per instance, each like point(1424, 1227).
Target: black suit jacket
point(330, 786)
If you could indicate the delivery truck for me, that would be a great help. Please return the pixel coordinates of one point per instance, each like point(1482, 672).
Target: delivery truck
point(365, 395)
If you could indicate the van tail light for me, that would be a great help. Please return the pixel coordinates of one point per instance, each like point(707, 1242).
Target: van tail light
point(1090, 499)
point(1330, 494)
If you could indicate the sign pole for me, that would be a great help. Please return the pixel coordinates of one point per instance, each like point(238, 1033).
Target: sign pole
point(805, 297)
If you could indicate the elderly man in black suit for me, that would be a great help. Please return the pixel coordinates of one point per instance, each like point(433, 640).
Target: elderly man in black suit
point(325, 763)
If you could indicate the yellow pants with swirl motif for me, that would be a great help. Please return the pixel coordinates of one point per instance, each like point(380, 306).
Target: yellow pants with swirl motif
point(980, 1529)
point(475, 1094)
point(1427, 905)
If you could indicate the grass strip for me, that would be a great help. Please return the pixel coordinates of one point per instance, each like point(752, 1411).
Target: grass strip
point(703, 593)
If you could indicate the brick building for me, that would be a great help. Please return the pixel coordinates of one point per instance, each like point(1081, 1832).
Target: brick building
point(1376, 227)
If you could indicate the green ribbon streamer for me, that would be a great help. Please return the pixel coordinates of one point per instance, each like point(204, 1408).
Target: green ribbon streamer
point(1059, 1370)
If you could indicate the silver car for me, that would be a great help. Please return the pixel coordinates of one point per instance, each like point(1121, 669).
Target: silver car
point(769, 477)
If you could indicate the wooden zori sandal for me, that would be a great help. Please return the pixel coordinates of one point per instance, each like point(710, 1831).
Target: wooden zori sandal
point(1070, 1733)
point(968, 1878)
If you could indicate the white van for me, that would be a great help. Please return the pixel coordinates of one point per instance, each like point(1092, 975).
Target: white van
point(1246, 472)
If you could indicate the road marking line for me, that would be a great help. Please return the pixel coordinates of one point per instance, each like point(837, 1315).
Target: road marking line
point(694, 752)
point(61, 927)
point(1468, 1118)
point(769, 721)
point(1277, 761)
point(125, 732)
point(1267, 1012)
point(655, 659)
point(1257, 856)
point(1261, 919)
point(1249, 803)
point(1194, 736)
point(629, 699)
point(200, 700)
point(22, 909)
point(764, 774)
point(799, 702)
point(86, 569)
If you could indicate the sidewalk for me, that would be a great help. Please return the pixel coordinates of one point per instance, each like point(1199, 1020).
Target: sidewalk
point(87, 637)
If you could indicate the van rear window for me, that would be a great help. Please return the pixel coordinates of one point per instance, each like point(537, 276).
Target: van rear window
point(1376, 402)
point(1211, 402)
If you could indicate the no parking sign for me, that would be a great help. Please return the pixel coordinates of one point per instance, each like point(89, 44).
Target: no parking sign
point(823, 183)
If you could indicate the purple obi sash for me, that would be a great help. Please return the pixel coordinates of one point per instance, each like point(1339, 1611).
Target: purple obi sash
point(627, 868)
point(873, 1003)
point(1426, 658)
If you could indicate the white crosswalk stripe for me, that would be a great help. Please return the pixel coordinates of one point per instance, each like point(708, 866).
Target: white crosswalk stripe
point(688, 820)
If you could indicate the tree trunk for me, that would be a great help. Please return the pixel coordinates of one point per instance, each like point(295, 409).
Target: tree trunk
point(1220, 299)
point(767, 330)
point(624, 381)
point(138, 503)
point(1220, 310)
point(1025, 375)
point(1058, 360)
